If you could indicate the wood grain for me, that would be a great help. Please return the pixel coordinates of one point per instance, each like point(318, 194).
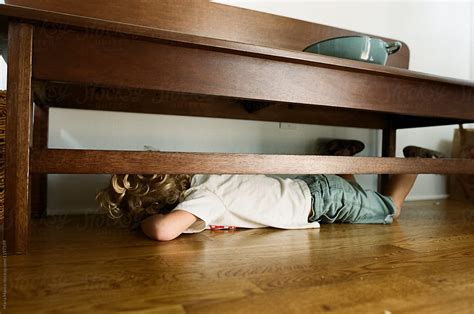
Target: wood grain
point(122, 62)
point(207, 19)
point(103, 161)
point(18, 137)
point(64, 95)
point(161, 102)
point(422, 263)
point(51, 22)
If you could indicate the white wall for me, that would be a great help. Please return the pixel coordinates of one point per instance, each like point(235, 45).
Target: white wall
point(113, 130)
point(3, 76)
point(472, 40)
point(430, 28)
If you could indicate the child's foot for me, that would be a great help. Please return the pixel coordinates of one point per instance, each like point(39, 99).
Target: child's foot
point(339, 147)
point(420, 152)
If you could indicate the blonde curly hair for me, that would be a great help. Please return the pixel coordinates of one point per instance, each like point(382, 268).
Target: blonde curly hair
point(130, 198)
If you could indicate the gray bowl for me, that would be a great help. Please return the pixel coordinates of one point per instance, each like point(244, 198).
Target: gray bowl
point(360, 48)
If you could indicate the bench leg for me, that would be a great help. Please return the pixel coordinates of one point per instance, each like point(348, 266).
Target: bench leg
point(39, 182)
point(18, 133)
point(389, 141)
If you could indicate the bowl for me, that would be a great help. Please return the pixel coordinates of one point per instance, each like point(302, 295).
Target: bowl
point(360, 48)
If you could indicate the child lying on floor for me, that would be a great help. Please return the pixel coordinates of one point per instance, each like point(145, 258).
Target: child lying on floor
point(166, 206)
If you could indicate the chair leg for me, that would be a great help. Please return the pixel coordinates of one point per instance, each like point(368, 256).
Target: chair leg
point(18, 133)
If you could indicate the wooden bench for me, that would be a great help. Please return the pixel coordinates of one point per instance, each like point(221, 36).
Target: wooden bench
point(199, 59)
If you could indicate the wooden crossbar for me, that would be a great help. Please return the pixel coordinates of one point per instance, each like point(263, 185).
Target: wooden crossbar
point(140, 162)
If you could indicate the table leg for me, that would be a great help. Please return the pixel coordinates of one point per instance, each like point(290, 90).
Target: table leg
point(39, 182)
point(18, 133)
point(389, 140)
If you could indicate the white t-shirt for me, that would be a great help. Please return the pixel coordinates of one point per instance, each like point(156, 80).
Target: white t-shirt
point(247, 201)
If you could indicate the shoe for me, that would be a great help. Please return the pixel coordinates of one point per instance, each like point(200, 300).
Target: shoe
point(420, 152)
point(339, 147)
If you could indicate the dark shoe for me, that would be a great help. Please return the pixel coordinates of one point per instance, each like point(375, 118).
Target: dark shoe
point(340, 147)
point(420, 152)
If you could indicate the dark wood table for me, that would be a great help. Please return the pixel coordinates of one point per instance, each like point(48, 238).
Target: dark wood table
point(57, 58)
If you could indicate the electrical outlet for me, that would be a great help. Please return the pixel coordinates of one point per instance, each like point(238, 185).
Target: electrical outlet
point(287, 126)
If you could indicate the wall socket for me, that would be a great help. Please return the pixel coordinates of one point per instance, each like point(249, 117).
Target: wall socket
point(287, 126)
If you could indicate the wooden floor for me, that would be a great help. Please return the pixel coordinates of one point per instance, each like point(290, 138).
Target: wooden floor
point(424, 263)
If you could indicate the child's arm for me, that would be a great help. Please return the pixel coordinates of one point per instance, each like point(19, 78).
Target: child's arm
point(167, 227)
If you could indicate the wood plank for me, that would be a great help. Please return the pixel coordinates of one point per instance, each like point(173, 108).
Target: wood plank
point(368, 267)
point(102, 161)
point(63, 95)
point(204, 18)
point(124, 62)
point(372, 294)
point(51, 22)
point(162, 102)
point(18, 136)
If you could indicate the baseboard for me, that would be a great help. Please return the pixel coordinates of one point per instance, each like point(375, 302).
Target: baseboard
point(427, 197)
point(75, 211)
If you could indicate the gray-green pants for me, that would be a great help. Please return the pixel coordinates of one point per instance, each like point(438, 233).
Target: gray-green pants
point(337, 200)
